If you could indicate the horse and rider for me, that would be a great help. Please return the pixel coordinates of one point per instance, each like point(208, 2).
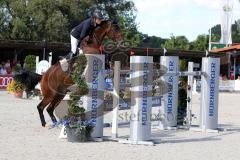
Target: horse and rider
point(88, 35)
point(84, 29)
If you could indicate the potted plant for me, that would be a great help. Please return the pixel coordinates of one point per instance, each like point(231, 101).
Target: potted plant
point(30, 63)
point(78, 127)
point(16, 69)
point(16, 88)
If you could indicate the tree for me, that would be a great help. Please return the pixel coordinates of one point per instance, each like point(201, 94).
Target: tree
point(236, 32)
point(178, 42)
point(151, 41)
point(54, 19)
point(124, 12)
point(200, 44)
point(216, 33)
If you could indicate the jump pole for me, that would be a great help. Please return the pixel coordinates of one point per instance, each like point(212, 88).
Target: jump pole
point(189, 94)
point(116, 82)
point(141, 100)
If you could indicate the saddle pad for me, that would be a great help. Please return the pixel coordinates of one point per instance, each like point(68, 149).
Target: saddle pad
point(64, 64)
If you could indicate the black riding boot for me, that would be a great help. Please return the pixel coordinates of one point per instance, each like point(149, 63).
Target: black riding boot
point(68, 56)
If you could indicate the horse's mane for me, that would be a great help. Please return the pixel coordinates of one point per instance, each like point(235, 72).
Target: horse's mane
point(89, 40)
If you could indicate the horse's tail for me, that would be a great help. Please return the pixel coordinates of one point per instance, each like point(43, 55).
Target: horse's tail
point(28, 79)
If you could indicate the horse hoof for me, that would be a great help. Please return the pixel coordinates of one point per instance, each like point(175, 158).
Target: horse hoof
point(48, 126)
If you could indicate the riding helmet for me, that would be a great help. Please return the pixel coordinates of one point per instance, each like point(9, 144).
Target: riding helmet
point(101, 14)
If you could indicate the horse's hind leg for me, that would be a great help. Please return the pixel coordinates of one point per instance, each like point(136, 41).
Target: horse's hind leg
point(41, 107)
point(56, 100)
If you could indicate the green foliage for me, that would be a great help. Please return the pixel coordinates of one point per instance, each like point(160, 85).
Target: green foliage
point(182, 43)
point(216, 33)
point(177, 42)
point(200, 44)
point(30, 63)
point(79, 64)
point(54, 19)
point(236, 32)
point(151, 41)
point(182, 65)
point(15, 86)
point(182, 98)
point(124, 12)
point(16, 68)
point(76, 123)
point(182, 104)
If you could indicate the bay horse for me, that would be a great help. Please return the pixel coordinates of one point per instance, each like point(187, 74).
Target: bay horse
point(55, 82)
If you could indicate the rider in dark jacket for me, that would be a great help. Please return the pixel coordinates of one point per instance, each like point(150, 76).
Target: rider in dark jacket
point(84, 28)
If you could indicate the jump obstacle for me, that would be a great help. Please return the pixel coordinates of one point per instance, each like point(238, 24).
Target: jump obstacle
point(141, 76)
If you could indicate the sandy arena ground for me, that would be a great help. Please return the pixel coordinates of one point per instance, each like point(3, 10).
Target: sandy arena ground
point(22, 137)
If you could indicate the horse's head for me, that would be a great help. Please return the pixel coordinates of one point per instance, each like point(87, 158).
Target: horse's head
point(113, 32)
point(110, 29)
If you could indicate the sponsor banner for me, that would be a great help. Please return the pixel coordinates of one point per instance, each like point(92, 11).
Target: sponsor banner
point(5, 80)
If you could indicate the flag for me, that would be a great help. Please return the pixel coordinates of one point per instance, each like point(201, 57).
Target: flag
point(164, 51)
point(226, 25)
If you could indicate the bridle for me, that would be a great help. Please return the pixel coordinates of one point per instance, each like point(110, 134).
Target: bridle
point(107, 32)
point(98, 41)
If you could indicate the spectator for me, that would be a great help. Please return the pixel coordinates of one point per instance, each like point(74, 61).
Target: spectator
point(3, 64)
point(9, 70)
point(3, 70)
point(7, 65)
point(14, 62)
point(0, 69)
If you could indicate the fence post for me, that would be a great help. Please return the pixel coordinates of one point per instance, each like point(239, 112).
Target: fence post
point(170, 99)
point(116, 88)
point(93, 102)
point(209, 93)
point(189, 94)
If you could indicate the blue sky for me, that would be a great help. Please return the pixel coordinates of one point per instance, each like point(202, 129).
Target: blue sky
point(180, 17)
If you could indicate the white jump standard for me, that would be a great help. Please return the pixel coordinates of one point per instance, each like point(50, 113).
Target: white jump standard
point(141, 76)
point(170, 99)
point(209, 95)
point(141, 100)
point(93, 102)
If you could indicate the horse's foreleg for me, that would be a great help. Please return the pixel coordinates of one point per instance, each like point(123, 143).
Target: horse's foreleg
point(40, 108)
point(50, 112)
point(56, 100)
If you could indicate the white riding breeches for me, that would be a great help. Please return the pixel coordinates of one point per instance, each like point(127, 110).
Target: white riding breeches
point(74, 44)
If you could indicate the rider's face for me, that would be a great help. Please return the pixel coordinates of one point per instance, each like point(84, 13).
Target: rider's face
point(98, 21)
